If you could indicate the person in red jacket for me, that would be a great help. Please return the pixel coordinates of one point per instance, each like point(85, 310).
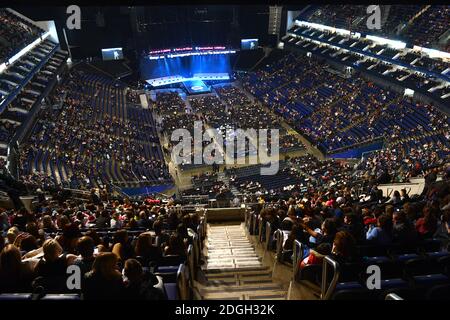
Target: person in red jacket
point(316, 255)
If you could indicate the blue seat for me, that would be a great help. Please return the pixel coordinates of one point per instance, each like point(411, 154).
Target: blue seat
point(430, 279)
point(438, 254)
point(167, 269)
point(393, 283)
point(59, 297)
point(376, 259)
point(407, 256)
point(439, 292)
point(171, 291)
point(15, 296)
point(354, 294)
point(348, 285)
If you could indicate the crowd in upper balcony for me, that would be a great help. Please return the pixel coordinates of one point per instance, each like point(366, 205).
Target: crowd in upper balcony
point(15, 34)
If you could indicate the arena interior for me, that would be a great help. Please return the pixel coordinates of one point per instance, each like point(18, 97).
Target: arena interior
point(91, 186)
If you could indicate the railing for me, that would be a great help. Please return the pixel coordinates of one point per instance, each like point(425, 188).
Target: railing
point(360, 144)
point(26, 126)
point(326, 292)
point(297, 257)
point(393, 296)
point(35, 108)
point(24, 81)
point(378, 57)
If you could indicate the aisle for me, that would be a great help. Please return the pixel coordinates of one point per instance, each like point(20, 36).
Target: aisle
point(234, 270)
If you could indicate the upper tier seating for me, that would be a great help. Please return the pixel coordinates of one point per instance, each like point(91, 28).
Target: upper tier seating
point(336, 112)
point(15, 34)
point(69, 147)
point(408, 23)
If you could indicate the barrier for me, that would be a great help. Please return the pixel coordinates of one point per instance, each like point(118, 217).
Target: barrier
point(411, 188)
point(225, 214)
point(359, 151)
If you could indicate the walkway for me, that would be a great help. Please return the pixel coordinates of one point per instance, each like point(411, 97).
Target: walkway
point(233, 268)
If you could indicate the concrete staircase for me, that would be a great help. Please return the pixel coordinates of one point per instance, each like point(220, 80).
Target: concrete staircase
point(233, 269)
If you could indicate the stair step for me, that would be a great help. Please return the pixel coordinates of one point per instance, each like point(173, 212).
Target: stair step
point(237, 271)
point(234, 270)
point(251, 276)
point(242, 288)
point(236, 258)
point(231, 265)
point(246, 295)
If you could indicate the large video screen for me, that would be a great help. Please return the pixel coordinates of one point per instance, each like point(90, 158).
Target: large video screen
point(249, 44)
point(112, 54)
point(185, 66)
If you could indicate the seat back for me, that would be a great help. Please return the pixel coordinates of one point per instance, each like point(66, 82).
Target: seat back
point(350, 271)
point(431, 245)
point(15, 296)
point(372, 250)
point(421, 266)
point(61, 297)
point(171, 260)
point(311, 273)
point(354, 294)
point(440, 292)
point(444, 262)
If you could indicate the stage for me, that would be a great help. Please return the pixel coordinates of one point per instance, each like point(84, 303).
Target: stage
point(196, 86)
point(163, 81)
point(182, 68)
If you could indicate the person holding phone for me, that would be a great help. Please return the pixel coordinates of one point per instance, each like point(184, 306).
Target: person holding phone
point(379, 234)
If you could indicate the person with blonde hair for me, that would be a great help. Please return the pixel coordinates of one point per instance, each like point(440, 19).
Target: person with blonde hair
point(15, 275)
point(51, 269)
point(12, 234)
point(105, 281)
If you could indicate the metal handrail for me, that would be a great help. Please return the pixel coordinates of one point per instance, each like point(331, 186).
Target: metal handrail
point(297, 248)
point(254, 224)
point(267, 242)
point(260, 227)
point(393, 296)
point(327, 292)
point(280, 241)
point(277, 236)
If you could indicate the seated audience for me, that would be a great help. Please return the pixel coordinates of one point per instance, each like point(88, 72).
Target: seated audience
point(105, 281)
point(140, 284)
